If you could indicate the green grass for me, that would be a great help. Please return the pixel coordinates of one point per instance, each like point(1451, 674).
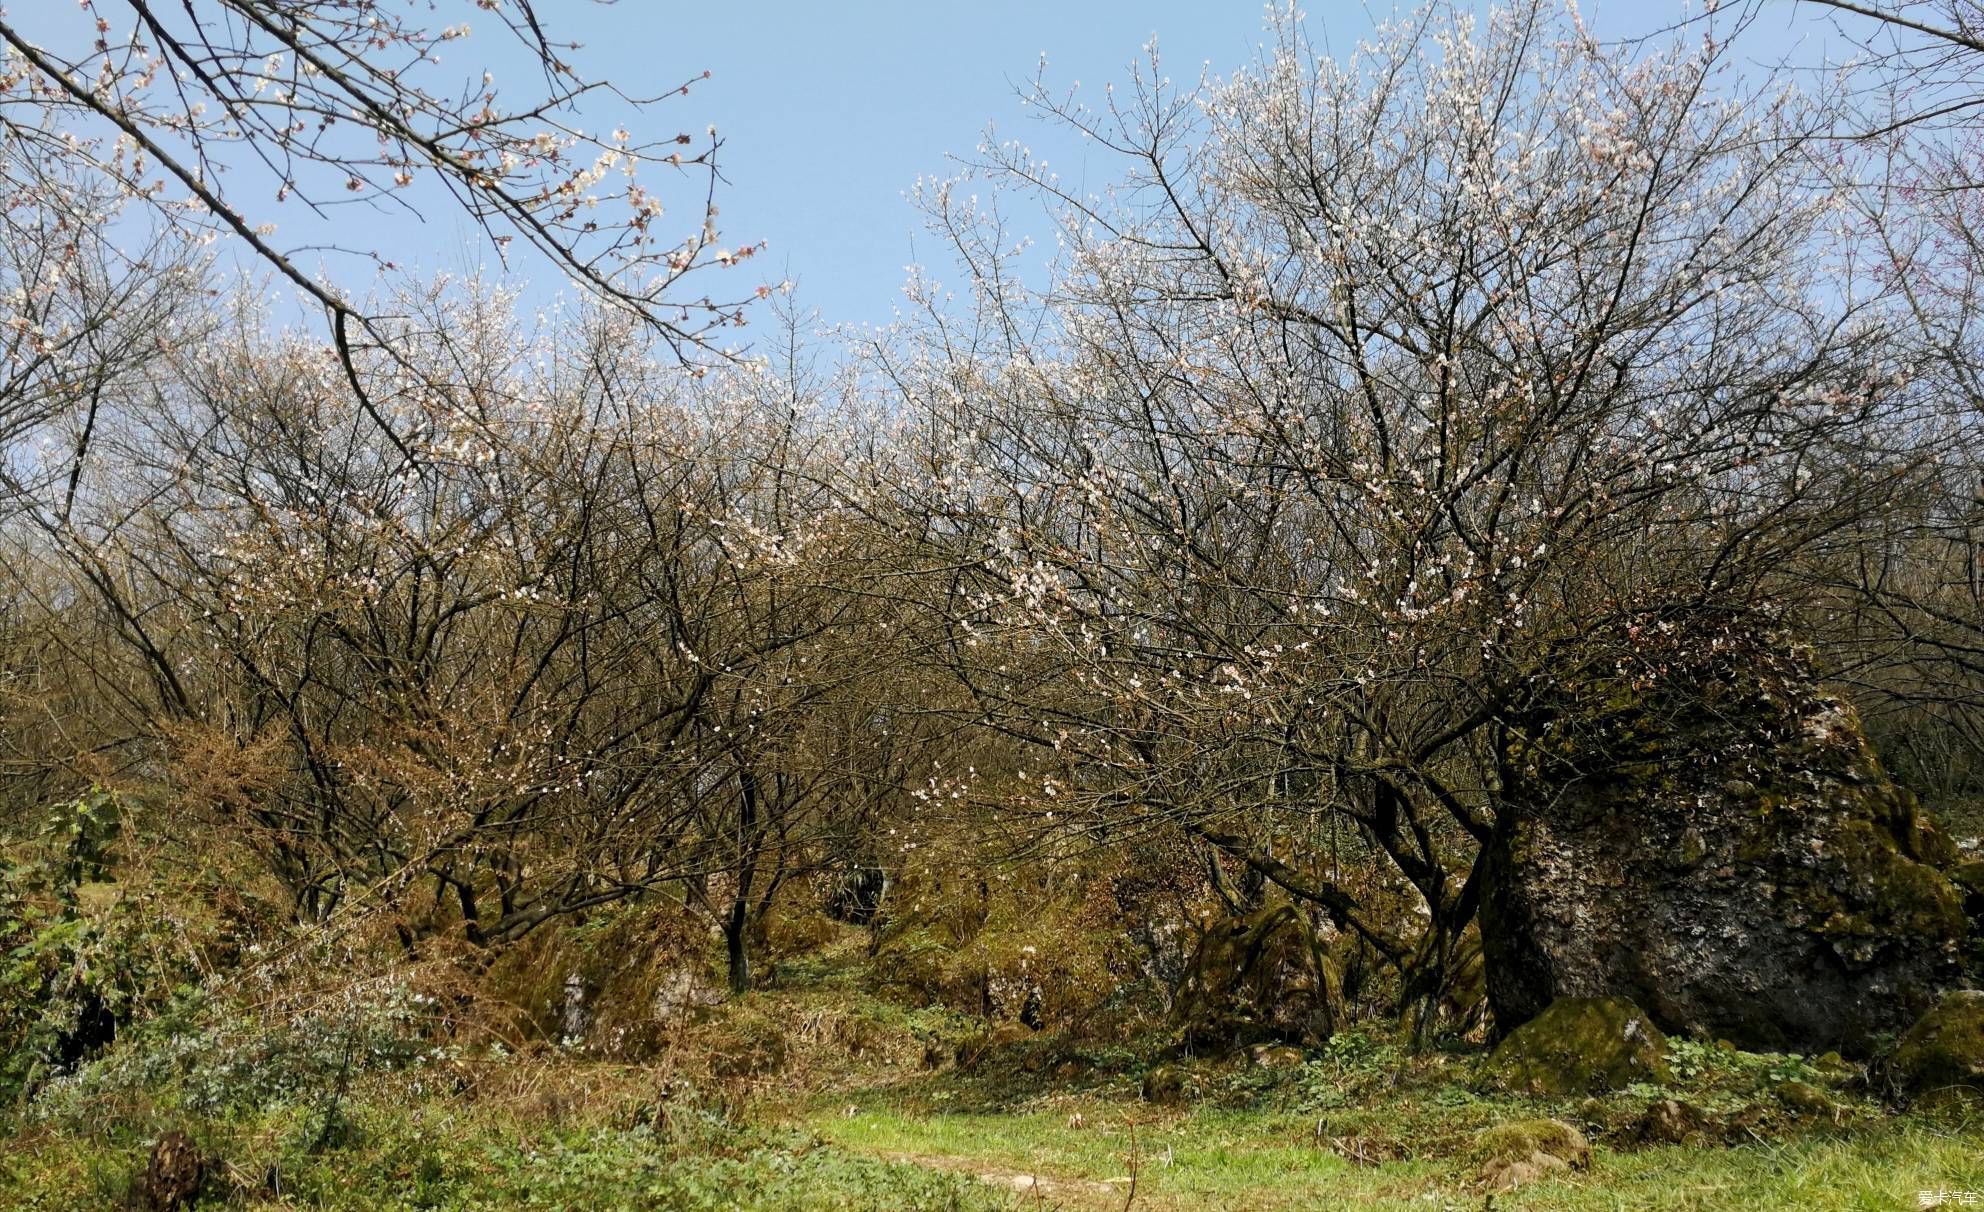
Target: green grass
point(397, 1150)
point(1223, 1159)
point(292, 1125)
point(1206, 1161)
point(361, 1111)
point(431, 1156)
point(1363, 1126)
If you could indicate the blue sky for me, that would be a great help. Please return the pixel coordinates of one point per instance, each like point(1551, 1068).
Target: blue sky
point(831, 111)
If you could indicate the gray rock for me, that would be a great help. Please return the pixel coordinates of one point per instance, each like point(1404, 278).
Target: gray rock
point(1695, 825)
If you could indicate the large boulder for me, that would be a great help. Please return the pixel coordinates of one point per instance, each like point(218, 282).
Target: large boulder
point(1944, 1050)
point(1580, 1045)
point(1694, 824)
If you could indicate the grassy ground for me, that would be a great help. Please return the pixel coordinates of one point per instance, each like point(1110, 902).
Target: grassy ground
point(878, 1149)
point(1361, 1124)
point(395, 1150)
point(826, 1093)
point(1221, 1159)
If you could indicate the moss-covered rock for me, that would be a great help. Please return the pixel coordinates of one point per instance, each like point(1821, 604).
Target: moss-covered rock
point(1806, 1101)
point(1581, 1045)
point(1944, 1050)
point(1259, 977)
point(1508, 1142)
point(1697, 824)
point(749, 1047)
point(1276, 1056)
point(1607, 1116)
point(1169, 1085)
point(1516, 1153)
point(997, 1044)
point(1669, 1121)
point(1968, 876)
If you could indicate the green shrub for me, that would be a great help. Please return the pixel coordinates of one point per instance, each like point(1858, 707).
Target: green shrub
point(80, 954)
point(209, 1057)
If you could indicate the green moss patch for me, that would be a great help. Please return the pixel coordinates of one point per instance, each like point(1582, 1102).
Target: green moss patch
point(1581, 1045)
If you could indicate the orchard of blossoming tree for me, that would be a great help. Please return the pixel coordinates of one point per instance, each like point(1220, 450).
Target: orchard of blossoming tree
point(1451, 619)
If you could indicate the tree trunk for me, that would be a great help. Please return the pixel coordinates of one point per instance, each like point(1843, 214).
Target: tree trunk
point(737, 926)
point(737, 944)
